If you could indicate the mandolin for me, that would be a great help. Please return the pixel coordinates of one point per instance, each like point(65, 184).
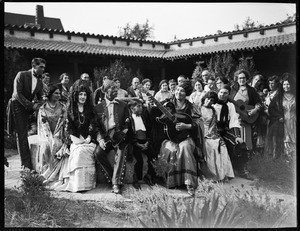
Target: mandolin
point(242, 109)
point(169, 119)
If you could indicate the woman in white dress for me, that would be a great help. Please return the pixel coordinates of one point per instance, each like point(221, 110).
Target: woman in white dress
point(53, 152)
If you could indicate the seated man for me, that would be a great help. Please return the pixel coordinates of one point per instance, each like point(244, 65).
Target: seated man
point(229, 128)
point(110, 124)
point(140, 141)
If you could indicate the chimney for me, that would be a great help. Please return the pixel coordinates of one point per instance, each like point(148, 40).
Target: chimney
point(39, 17)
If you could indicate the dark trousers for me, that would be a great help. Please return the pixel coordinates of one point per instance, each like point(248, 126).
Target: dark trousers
point(138, 167)
point(21, 125)
point(238, 155)
point(115, 174)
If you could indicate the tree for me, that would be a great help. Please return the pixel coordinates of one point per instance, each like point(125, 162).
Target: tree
point(247, 24)
point(222, 65)
point(247, 63)
point(116, 69)
point(289, 18)
point(137, 31)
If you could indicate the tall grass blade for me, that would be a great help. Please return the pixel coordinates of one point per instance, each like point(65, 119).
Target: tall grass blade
point(205, 212)
point(220, 217)
point(143, 224)
point(168, 219)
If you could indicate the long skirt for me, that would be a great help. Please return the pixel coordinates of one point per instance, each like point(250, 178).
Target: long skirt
point(183, 167)
point(217, 159)
point(82, 171)
point(56, 171)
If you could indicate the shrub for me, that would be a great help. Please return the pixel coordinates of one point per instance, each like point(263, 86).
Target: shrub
point(196, 213)
point(116, 69)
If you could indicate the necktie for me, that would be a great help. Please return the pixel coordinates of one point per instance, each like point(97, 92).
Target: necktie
point(224, 112)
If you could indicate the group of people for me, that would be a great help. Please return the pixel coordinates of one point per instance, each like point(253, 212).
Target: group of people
point(200, 127)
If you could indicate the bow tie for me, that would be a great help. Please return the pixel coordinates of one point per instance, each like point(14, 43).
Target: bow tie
point(36, 75)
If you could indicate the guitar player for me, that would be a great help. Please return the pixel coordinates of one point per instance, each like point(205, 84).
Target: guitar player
point(243, 92)
point(111, 126)
point(230, 130)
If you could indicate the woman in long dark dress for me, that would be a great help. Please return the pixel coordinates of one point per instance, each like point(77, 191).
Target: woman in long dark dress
point(82, 172)
point(183, 168)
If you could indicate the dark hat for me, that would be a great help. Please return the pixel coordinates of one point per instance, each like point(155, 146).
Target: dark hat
point(107, 84)
point(187, 85)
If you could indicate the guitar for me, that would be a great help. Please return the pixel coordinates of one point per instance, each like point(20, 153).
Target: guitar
point(169, 119)
point(242, 109)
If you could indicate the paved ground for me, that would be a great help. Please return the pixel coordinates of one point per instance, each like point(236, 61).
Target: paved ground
point(103, 191)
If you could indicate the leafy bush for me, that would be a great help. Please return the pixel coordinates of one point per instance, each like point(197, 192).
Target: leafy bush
point(212, 207)
point(260, 210)
point(116, 69)
point(222, 65)
point(197, 213)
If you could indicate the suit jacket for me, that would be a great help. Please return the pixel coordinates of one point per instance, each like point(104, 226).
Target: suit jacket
point(147, 123)
point(131, 93)
point(22, 89)
point(121, 114)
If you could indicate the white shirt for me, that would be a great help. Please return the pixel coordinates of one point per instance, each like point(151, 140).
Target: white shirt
point(233, 116)
point(110, 120)
point(34, 82)
point(138, 123)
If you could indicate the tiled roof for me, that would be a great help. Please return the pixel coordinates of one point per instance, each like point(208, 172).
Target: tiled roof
point(33, 28)
point(234, 32)
point(258, 43)
point(83, 48)
point(21, 19)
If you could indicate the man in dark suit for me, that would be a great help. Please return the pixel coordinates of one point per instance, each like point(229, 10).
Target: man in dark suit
point(27, 85)
point(111, 126)
point(133, 90)
point(140, 133)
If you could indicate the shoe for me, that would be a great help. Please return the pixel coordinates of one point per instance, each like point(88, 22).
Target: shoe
point(190, 190)
point(116, 189)
point(148, 180)
point(136, 185)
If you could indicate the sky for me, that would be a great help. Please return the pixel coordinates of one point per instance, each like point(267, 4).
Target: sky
point(183, 20)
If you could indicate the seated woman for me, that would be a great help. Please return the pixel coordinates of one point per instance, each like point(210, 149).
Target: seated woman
point(81, 168)
point(179, 154)
point(52, 116)
point(217, 158)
